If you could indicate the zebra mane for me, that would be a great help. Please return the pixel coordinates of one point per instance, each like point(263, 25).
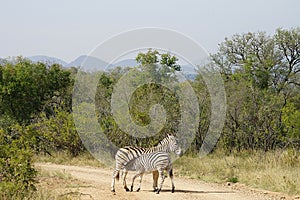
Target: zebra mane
point(165, 141)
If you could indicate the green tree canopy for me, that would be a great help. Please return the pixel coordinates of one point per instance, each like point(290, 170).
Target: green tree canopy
point(262, 75)
point(26, 88)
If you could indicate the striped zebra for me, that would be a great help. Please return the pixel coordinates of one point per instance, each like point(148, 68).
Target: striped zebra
point(159, 161)
point(126, 154)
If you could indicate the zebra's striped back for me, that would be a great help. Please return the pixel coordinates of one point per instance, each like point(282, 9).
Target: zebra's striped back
point(149, 162)
point(126, 154)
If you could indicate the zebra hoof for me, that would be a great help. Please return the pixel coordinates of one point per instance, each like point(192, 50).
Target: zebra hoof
point(131, 188)
point(138, 189)
point(173, 189)
point(127, 190)
point(113, 190)
point(157, 192)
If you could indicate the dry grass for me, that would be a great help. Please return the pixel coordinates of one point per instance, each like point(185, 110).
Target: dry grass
point(57, 185)
point(54, 185)
point(277, 171)
point(84, 159)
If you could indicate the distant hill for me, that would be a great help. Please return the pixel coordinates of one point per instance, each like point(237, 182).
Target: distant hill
point(85, 62)
point(47, 59)
point(2, 61)
point(188, 68)
point(126, 63)
point(88, 63)
point(190, 75)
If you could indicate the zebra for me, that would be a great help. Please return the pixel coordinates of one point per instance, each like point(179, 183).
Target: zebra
point(126, 154)
point(159, 161)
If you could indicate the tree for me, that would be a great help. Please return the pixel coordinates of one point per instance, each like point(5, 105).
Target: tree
point(154, 57)
point(151, 57)
point(253, 54)
point(170, 61)
point(261, 76)
point(27, 88)
point(288, 43)
point(156, 68)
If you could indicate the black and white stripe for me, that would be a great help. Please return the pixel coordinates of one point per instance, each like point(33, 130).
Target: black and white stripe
point(128, 153)
point(159, 161)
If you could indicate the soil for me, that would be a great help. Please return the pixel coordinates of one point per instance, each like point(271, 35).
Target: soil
point(90, 183)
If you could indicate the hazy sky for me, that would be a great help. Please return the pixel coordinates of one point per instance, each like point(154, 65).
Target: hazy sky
point(67, 29)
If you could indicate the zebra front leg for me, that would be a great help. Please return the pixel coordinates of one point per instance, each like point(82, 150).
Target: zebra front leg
point(140, 182)
point(172, 181)
point(131, 188)
point(124, 180)
point(113, 185)
point(155, 178)
point(162, 177)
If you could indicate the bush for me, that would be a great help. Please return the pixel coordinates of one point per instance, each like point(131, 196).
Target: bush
point(17, 176)
point(55, 133)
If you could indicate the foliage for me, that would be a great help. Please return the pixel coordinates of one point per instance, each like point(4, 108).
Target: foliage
point(261, 76)
point(291, 120)
point(28, 88)
point(154, 57)
point(17, 175)
point(55, 133)
point(143, 98)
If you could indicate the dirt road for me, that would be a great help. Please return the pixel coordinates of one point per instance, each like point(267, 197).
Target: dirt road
point(97, 187)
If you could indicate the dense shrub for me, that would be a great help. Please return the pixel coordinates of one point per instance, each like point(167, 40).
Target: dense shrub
point(17, 175)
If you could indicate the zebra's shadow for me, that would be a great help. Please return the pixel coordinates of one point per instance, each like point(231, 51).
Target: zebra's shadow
point(193, 191)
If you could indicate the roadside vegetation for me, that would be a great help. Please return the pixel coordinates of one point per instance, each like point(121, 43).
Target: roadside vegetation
point(259, 145)
point(277, 171)
point(64, 158)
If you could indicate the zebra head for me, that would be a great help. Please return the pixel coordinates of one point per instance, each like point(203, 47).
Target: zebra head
point(170, 144)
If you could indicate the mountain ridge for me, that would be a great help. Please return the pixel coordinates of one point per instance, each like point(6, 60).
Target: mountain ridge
point(90, 63)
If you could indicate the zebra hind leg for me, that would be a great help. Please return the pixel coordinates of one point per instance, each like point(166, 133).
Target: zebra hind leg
point(162, 177)
point(124, 181)
point(115, 175)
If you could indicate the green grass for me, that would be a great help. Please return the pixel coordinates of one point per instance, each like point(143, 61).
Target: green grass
point(277, 171)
